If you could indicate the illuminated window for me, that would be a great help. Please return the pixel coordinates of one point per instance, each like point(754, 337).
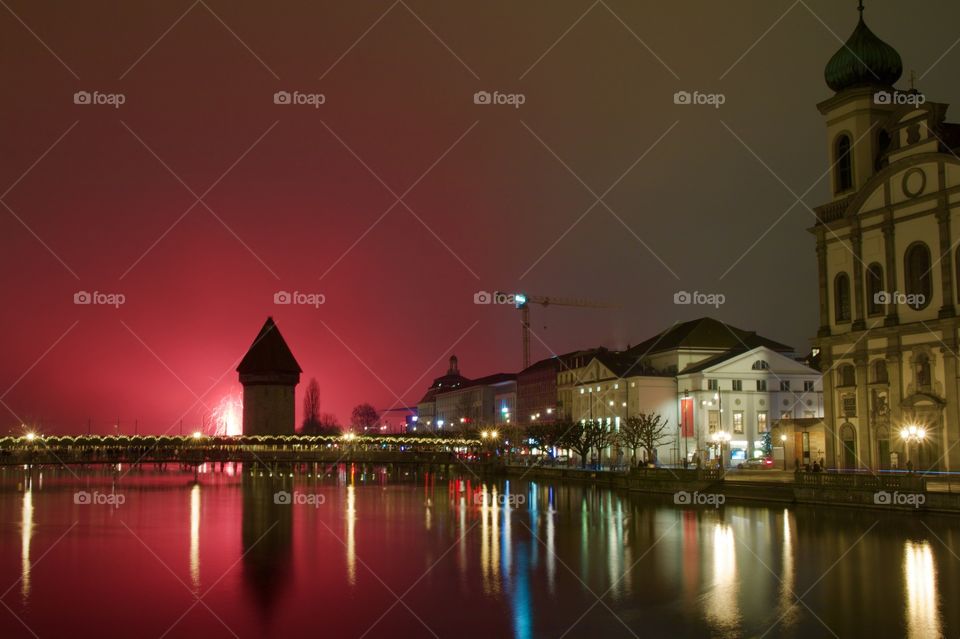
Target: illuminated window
point(738, 421)
point(762, 425)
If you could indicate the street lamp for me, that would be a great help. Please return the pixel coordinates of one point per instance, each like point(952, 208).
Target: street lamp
point(912, 433)
point(783, 445)
point(719, 439)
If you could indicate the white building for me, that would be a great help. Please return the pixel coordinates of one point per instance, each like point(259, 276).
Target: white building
point(889, 266)
point(742, 394)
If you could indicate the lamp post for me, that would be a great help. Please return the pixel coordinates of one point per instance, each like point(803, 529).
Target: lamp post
point(719, 439)
point(912, 433)
point(783, 445)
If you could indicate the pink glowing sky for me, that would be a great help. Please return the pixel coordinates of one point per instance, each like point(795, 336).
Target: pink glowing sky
point(296, 200)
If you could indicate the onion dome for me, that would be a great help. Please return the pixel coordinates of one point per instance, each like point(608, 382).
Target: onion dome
point(865, 60)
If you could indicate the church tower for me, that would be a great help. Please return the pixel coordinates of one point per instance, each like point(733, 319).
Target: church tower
point(888, 266)
point(269, 374)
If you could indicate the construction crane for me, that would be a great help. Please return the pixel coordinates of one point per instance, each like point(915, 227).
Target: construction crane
point(523, 301)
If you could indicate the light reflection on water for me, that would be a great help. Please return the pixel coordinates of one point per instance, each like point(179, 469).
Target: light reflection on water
point(540, 554)
point(920, 577)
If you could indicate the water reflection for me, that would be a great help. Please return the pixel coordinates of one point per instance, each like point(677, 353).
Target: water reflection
point(788, 601)
point(920, 579)
point(267, 537)
point(26, 533)
point(195, 536)
point(350, 517)
point(721, 604)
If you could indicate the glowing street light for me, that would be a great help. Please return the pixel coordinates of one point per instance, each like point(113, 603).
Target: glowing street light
point(912, 433)
point(720, 438)
point(783, 443)
point(31, 436)
point(197, 434)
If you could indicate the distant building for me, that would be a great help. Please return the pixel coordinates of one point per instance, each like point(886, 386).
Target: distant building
point(537, 392)
point(486, 401)
point(269, 374)
point(888, 265)
point(427, 406)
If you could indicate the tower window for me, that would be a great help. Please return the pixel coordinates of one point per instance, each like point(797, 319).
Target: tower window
point(841, 298)
point(844, 164)
point(917, 275)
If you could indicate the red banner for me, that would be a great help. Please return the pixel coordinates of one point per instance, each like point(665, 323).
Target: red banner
point(686, 417)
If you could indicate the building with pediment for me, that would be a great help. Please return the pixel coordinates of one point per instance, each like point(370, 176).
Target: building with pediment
point(889, 267)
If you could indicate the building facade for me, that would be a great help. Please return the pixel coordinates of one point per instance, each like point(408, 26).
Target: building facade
point(739, 396)
point(888, 266)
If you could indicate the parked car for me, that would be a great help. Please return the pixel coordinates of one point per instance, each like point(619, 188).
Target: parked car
point(757, 463)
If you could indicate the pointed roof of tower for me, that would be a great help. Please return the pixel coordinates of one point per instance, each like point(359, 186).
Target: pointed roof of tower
point(269, 353)
point(864, 60)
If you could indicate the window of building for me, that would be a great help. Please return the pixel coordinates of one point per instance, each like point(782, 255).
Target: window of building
point(808, 386)
point(878, 372)
point(713, 384)
point(841, 298)
point(849, 404)
point(760, 365)
point(761, 385)
point(738, 421)
point(875, 294)
point(762, 425)
point(844, 163)
point(738, 384)
point(846, 375)
point(918, 277)
point(713, 420)
point(785, 384)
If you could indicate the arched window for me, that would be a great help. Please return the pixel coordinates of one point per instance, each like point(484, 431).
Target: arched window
point(921, 367)
point(878, 372)
point(876, 299)
point(841, 298)
point(846, 375)
point(918, 279)
point(844, 164)
point(760, 365)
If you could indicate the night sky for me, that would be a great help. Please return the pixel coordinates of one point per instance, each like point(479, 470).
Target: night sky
point(297, 198)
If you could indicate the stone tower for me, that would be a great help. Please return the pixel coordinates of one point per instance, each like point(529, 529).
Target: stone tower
point(269, 374)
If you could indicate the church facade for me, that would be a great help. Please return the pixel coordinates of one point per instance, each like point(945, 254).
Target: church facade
point(889, 267)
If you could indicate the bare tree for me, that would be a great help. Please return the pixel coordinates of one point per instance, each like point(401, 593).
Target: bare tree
point(329, 424)
point(584, 437)
point(311, 408)
point(646, 431)
point(364, 416)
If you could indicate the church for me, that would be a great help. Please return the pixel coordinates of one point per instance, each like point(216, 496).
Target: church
point(889, 267)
